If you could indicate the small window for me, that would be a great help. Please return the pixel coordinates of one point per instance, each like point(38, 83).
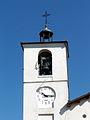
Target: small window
point(45, 62)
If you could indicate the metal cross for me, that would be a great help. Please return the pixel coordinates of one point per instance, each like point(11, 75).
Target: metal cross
point(46, 15)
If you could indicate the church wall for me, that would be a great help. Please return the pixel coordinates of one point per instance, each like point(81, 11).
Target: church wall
point(58, 81)
point(31, 108)
point(59, 63)
point(33, 81)
point(77, 111)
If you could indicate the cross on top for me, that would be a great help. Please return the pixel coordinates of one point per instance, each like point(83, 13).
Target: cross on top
point(46, 15)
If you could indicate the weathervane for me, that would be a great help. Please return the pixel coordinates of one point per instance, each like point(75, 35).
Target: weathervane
point(46, 15)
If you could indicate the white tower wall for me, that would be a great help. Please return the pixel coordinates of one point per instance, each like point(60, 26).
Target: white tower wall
point(32, 81)
point(59, 62)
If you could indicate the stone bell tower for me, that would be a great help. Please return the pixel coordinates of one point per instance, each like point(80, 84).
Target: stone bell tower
point(45, 82)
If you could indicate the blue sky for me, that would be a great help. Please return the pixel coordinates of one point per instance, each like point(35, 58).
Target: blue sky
point(21, 21)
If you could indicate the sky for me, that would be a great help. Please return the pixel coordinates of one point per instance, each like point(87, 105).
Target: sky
point(21, 21)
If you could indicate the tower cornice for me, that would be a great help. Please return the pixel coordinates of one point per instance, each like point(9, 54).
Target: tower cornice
point(44, 43)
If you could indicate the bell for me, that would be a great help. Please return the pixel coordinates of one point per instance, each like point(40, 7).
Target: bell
point(45, 67)
point(44, 63)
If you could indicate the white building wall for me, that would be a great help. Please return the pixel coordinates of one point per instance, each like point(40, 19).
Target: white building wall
point(32, 81)
point(76, 111)
point(31, 110)
point(59, 63)
point(58, 81)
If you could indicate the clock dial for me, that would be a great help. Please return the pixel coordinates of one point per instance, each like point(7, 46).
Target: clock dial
point(46, 96)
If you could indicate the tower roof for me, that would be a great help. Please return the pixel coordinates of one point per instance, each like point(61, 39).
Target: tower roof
point(46, 33)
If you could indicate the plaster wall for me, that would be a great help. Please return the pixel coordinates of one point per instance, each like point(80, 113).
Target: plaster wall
point(59, 63)
point(31, 110)
point(32, 81)
point(76, 111)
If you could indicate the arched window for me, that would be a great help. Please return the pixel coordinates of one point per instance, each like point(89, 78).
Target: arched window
point(45, 62)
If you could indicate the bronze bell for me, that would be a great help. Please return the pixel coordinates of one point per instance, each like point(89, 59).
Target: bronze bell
point(44, 63)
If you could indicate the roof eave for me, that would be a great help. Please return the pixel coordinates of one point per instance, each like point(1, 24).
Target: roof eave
point(77, 100)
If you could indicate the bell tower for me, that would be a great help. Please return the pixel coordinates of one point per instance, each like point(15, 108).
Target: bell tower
point(45, 82)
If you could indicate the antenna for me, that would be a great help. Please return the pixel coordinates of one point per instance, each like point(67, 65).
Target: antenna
point(46, 15)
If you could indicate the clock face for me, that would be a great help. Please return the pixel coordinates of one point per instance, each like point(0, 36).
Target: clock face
point(46, 96)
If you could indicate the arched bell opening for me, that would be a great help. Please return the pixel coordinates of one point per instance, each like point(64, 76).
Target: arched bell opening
point(45, 62)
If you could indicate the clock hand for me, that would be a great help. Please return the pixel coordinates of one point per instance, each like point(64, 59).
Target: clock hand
point(44, 95)
point(50, 95)
point(47, 95)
